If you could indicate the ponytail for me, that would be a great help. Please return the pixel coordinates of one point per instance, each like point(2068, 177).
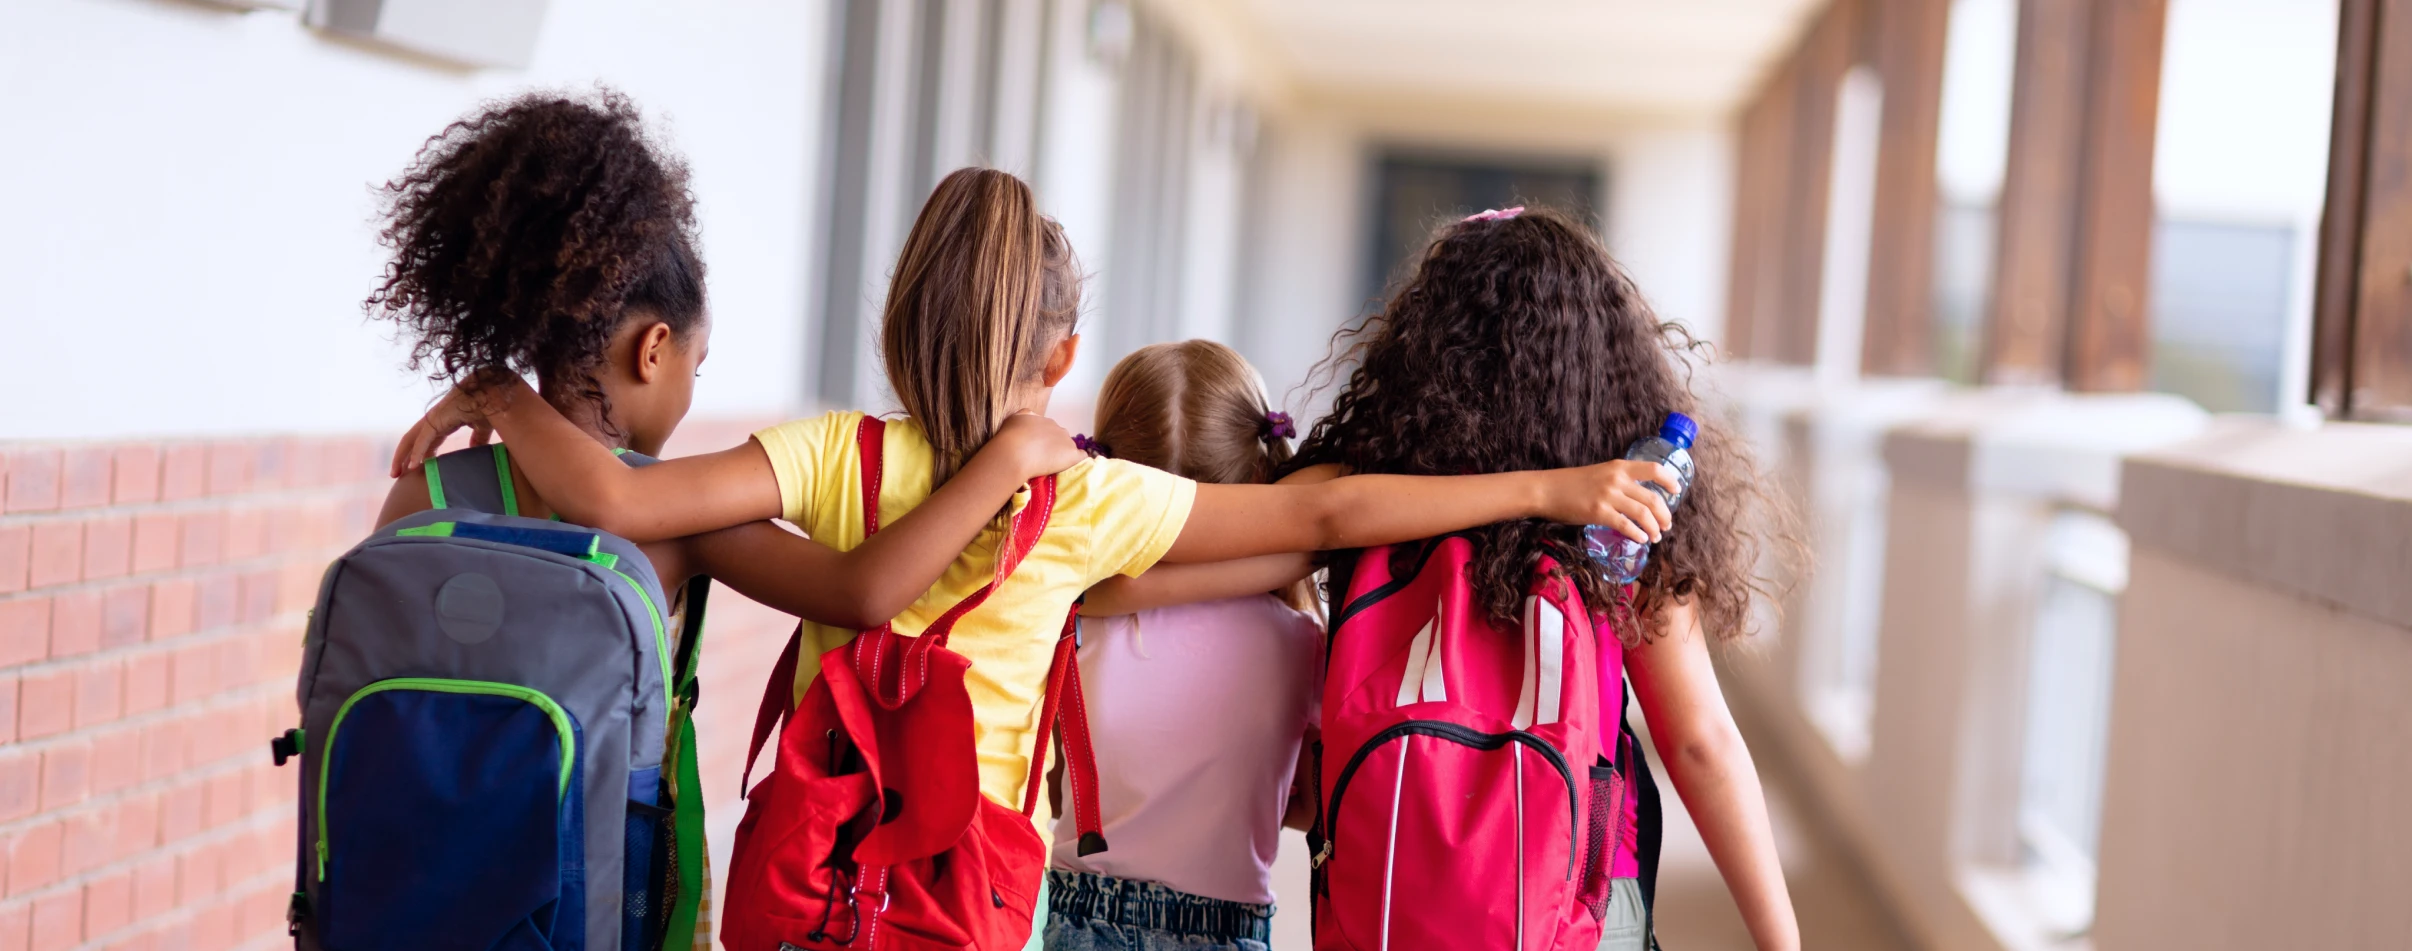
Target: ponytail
point(984, 288)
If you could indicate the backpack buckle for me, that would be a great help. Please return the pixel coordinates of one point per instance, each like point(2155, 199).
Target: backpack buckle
point(286, 746)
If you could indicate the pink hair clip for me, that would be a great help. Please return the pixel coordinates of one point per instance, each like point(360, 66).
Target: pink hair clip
point(1495, 214)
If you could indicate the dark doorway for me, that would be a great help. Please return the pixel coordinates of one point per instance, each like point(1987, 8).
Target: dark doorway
point(1416, 192)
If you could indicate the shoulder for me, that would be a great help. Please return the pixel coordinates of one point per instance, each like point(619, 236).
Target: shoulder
point(810, 430)
point(407, 496)
point(1110, 482)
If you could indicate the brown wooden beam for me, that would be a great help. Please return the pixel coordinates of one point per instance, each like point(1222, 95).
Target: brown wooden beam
point(2336, 280)
point(1774, 213)
point(2381, 368)
point(1751, 143)
point(1824, 55)
point(2110, 319)
point(2037, 212)
point(1899, 337)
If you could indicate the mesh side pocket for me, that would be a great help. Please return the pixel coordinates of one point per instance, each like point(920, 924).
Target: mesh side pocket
point(644, 904)
point(1607, 800)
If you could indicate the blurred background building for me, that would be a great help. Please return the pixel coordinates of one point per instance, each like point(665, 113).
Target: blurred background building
point(2072, 325)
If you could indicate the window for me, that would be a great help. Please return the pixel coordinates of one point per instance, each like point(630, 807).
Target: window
point(2239, 179)
point(1416, 192)
point(1970, 151)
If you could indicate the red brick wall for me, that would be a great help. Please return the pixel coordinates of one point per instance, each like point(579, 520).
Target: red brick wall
point(152, 600)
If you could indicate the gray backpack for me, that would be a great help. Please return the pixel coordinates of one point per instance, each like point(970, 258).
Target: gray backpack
point(485, 703)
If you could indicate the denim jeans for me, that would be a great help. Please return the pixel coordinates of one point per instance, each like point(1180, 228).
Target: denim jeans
point(1098, 913)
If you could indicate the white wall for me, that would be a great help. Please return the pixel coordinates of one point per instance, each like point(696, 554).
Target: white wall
point(1670, 216)
point(189, 228)
point(1303, 247)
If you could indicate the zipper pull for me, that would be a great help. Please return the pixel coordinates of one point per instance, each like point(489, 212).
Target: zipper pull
point(1323, 854)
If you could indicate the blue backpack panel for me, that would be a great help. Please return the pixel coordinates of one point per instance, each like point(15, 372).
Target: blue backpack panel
point(486, 702)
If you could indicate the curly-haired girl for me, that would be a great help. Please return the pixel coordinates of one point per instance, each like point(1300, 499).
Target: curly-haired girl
point(1518, 344)
point(550, 235)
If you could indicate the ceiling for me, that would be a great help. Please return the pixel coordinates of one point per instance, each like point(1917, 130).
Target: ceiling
point(1648, 56)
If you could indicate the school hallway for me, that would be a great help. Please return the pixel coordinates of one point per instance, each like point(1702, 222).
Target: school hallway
point(2074, 333)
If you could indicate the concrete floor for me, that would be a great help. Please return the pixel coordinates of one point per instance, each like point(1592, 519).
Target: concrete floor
point(1833, 900)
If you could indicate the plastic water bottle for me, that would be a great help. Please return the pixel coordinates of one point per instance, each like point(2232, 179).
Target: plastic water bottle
point(1671, 447)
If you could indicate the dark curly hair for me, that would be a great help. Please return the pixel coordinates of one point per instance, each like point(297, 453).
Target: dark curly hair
point(1518, 344)
point(524, 235)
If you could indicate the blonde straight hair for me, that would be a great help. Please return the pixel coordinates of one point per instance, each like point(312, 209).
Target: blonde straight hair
point(984, 289)
point(1196, 409)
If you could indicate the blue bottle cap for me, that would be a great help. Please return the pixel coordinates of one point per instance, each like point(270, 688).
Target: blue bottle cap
point(1679, 430)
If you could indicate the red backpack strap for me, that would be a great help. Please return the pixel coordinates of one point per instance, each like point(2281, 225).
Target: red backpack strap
point(871, 444)
point(778, 699)
point(1021, 537)
point(779, 695)
point(1064, 713)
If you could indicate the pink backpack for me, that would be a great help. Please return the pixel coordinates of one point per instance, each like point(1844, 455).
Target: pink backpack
point(1472, 797)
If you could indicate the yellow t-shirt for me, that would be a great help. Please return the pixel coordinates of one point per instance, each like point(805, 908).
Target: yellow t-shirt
point(1111, 518)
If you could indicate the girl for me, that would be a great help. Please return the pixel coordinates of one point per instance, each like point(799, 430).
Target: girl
point(1517, 344)
point(549, 235)
point(977, 326)
point(1197, 710)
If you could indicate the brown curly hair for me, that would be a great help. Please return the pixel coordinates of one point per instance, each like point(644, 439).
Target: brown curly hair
point(525, 234)
point(1519, 344)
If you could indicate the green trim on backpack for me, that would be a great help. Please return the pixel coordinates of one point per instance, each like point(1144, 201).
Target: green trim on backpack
point(435, 487)
point(429, 530)
point(687, 805)
point(502, 474)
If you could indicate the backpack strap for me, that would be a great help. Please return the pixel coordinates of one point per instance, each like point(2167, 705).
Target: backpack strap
point(477, 478)
point(778, 700)
point(1021, 536)
point(1022, 532)
point(1064, 712)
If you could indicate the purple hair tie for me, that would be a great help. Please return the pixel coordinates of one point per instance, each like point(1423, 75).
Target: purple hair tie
point(1090, 446)
point(1495, 214)
point(1277, 426)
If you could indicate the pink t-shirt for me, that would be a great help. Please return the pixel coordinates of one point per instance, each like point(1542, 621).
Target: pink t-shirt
point(1196, 713)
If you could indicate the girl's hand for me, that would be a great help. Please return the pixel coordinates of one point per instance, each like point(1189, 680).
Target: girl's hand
point(465, 406)
point(1614, 494)
point(1035, 445)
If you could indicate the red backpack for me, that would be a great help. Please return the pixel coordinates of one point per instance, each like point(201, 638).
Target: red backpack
point(1469, 797)
point(870, 831)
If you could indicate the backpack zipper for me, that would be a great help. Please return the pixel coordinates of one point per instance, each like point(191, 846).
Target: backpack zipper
point(661, 640)
point(531, 696)
point(1463, 736)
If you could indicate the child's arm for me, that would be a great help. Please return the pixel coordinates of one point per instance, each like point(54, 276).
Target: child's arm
point(1705, 756)
point(588, 485)
point(859, 588)
point(1360, 511)
point(1168, 585)
point(878, 579)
